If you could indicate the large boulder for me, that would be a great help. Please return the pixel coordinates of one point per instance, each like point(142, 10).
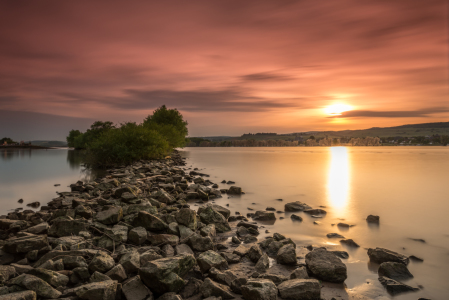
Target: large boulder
point(41, 228)
point(42, 288)
point(101, 263)
point(149, 222)
point(300, 289)
point(104, 290)
point(109, 216)
point(53, 278)
point(211, 288)
point(134, 289)
point(394, 270)
point(163, 239)
point(24, 295)
point(395, 287)
point(264, 216)
point(326, 266)
point(296, 206)
point(209, 215)
point(235, 190)
point(254, 253)
point(165, 274)
point(263, 263)
point(381, 255)
point(164, 197)
point(137, 235)
point(259, 289)
point(187, 217)
point(211, 259)
point(200, 243)
point(61, 228)
point(222, 210)
point(130, 261)
point(225, 277)
point(25, 244)
point(286, 255)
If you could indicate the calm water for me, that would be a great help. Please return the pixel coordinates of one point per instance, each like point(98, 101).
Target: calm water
point(408, 187)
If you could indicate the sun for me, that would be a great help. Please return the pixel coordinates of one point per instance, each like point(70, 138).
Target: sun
point(337, 109)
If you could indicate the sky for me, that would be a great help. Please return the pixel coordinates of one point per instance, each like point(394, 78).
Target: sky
point(230, 67)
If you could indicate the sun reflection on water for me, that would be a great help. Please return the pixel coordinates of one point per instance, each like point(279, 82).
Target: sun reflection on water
point(338, 178)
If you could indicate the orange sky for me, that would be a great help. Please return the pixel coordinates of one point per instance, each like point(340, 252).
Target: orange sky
point(230, 67)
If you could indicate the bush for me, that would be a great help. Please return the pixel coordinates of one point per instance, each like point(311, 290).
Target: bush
point(126, 144)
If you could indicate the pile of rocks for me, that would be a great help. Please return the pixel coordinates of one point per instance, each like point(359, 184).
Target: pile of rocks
point(132, 235)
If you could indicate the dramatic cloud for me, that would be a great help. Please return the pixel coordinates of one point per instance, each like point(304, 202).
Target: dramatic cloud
point(236, 66)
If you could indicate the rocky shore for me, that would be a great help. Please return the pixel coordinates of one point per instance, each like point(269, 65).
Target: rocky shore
point(134, 235)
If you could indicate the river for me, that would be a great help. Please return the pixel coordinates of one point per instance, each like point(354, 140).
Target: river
point(408, 187)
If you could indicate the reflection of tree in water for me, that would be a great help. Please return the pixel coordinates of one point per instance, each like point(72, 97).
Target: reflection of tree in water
point(10, 154)
point(75, 158)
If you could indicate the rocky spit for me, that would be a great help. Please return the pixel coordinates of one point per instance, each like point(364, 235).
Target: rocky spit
point(132, 235)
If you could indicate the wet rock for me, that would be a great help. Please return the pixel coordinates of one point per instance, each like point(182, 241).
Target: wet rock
point(334, 235)
point(137, 235)
point(277, 279)
point(236, 284)
point(316, 211)
point(247, 225)
point(242, 231)
point(211, 288)
point(381, 255)
point(264, 216)
point(231, 258)
point(165, 274)
point(300, 289)
point(296, 217)
point(350, 243)
point(341, 254)
point(41, 228)
point(209, 215)
point(263, 264)
point(42, 288)
point(344, 225)
point(394, 270)
point(199, 243)
point(270, 208)
point(326, 266)
point(299, 273)
point(110, 216)
point(23, 295)
point(241, 250)
point(102, 263)
point(25, 244)
point(149, 222)
point(395, 287)
point(208, 230)
point(286, 255)
point(104, 290)
point(259, 289)
point(372, 219)
point(163, 239)
point(187, 217)
point(416, 258)
point(234, 190)
point(211, 259)
point(61, 228)
point(236, 240)
point(296, 206)
point(134, 289)
point(51, 277)
point(254, 253)
point(225, 277)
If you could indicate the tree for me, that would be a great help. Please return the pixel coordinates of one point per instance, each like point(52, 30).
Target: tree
point(73, 134)
point(7, 140)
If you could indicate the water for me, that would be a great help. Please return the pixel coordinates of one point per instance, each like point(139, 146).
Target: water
point(406, 186)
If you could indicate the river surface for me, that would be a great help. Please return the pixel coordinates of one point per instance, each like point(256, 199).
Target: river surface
point(408, 187)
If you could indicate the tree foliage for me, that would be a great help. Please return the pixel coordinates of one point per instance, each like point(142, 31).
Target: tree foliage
point(7, 140)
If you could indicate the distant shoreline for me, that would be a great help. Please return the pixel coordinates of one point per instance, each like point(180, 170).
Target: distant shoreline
point(28, 147)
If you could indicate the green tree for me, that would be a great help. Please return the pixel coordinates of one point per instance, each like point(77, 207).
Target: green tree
point(73, 134)
point(7, 140)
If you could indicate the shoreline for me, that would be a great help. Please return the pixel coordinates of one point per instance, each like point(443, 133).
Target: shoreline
point(155, 196)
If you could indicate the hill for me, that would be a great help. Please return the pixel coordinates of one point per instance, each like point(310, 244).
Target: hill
point(49, 143)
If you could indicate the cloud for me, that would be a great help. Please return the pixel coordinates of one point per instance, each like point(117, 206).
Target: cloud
point(392, 114)
point(266, 76)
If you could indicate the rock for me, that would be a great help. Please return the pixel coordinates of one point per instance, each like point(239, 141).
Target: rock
point(231, 258)
point(149, 255)
point(416, 258)
point(277, 279)
point(334, 235)
point(130, 261)
point(183, 249)
point(167, 251)
point(299, 273)
point(372, 219)
point(259, 289)
point(225, 277)
point(170, 296)
point(286, 255)
point(236, 240)
point(326, 266)
point(101, 263)
point(149, 222)
point(165, 274)
point(235, 190)
point(134, 289)
point(242, 231)
point(254, 253)
point(6, 272)
point(394, 270)
point(137, 235)
point(300, 289)
point(24, 295)
point(211, 259)
point(173, 228)
point(264, 216)
point(236, 284)
point(41, 228)
point(315, 211)
point(104, 290)
point(79, 275)
point(199, 243)
point(98, 277)
point(53, 278)
point(191, 288)
point(187, 217)
point(395, 287)
point(25, 244)
point(296, 206)
point(241, 250)
point(350, 243)
point(117, 273)
point(262, 264)
point(208, 230)
point(212, 288)
point(42, 288)
point(344, 225)
point(209, 215)
point(381, 255)
point(72, 262)
point(61, 227)
point(163, 239)
point(110, 216)
point(341, 254)
point(296, 217)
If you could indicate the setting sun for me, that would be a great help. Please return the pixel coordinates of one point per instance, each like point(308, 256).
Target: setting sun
point(337, 109)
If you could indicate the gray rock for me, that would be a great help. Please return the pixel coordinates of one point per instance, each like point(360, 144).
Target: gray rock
point(167, 251)
point(130, 261)
point(163, 239)
point(225, 277)
point(296, 217)
point(117, 273)
point(41, 228)
point(61, 228)
point(6, 272)
point(134, 289)
point(183, 249)
point(277, 279)
point(326, 266)
point(236, 284)
point(235, 190)
point(299, 273)
point(211, 288)
point(148, 256)
point(231, 258)
point(211, 259)
point(53, 278)
point(334, 235)
point(241, 250)
point(259, 289)
point(170, 296)
point(264, 216)
point(187, 217)
point(110, 216)
point(101, 263)
point(79, 275)
point(296, 206)
point(149, 222)
point(395, 287)
point(72, 262)
point(104, 290)
point(341, 254)
point(381, 255)
point(191, 288)
point(254, 253)
point(372, 219)
point(165, 274)
point(209, 215)
point(199, 243)
point(300, 289)
point(263, 263)
point(23, 295)
point(25, 244)
point(98, 277)
point(286, 255)
point(349, 243)
point(42, 288)
point(394, 270)
point(137, 235)
point(208, 230)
